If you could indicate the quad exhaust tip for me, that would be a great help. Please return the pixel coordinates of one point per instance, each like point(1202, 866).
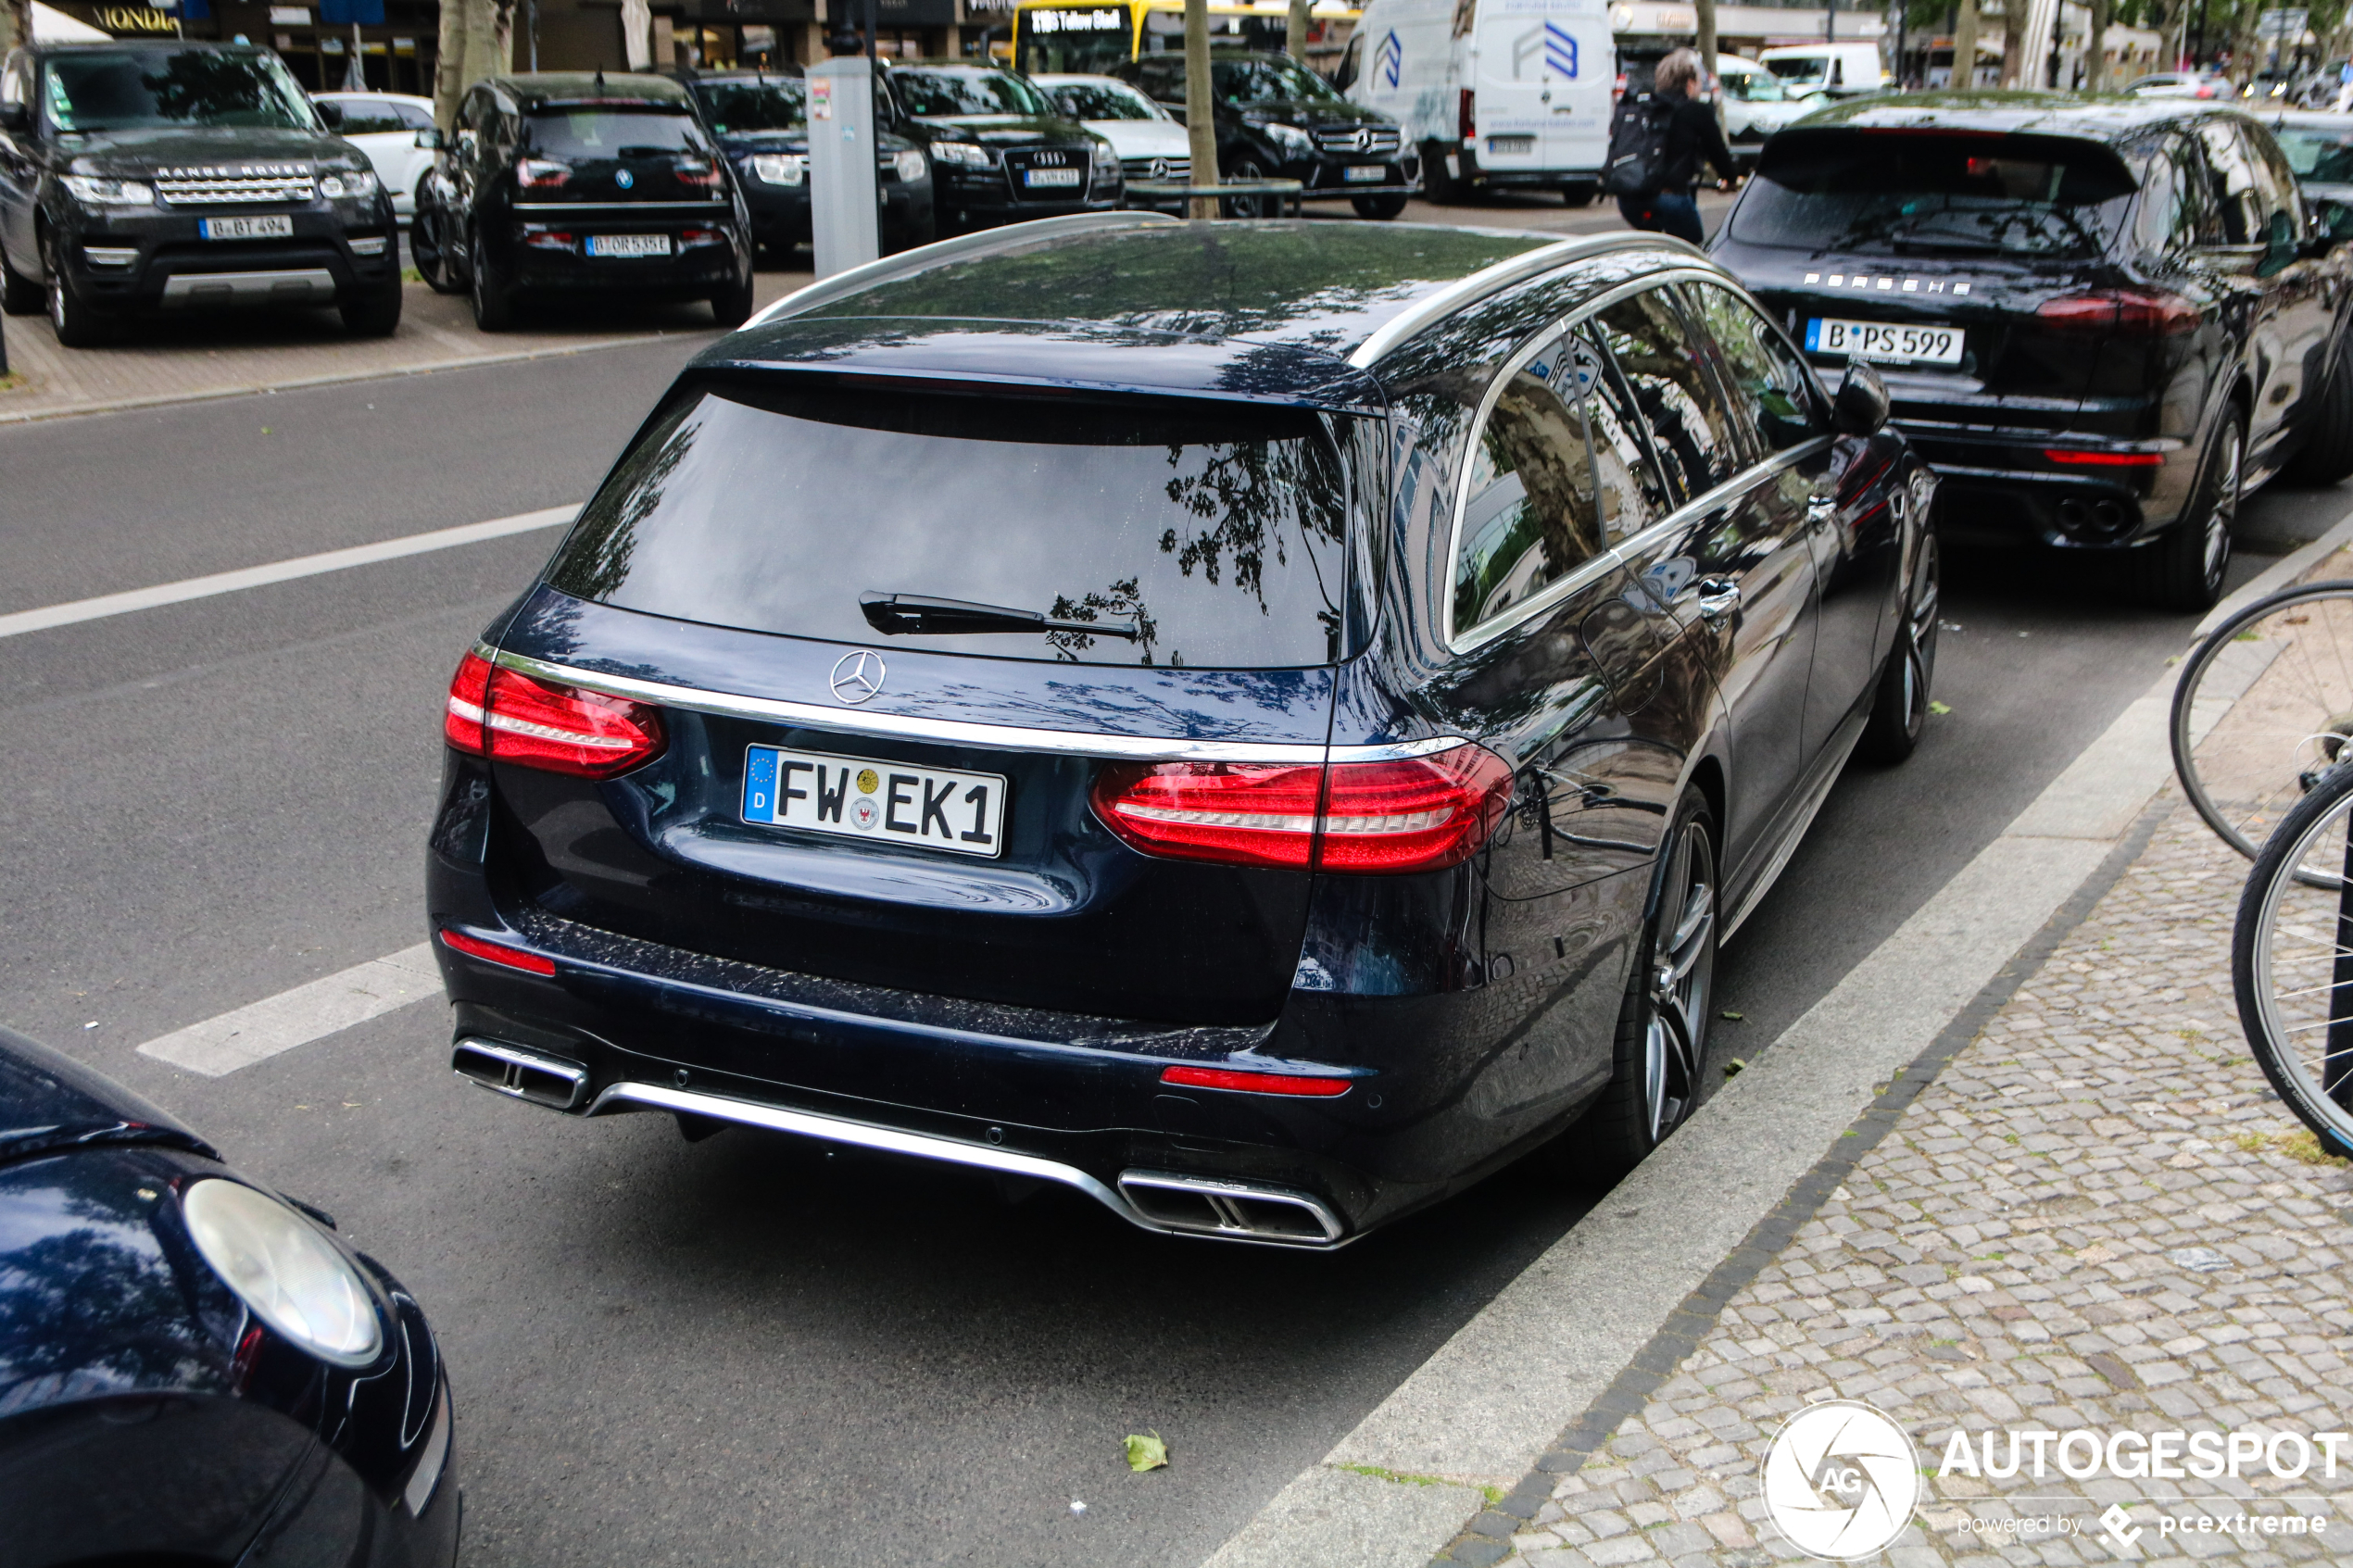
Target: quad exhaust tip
point(1237, 1211)
point(542, 1080)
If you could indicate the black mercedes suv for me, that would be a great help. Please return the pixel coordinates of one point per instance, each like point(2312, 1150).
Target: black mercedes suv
point(169, 176)
point(1275, 119)
point(565, 183)
point(2103, 322)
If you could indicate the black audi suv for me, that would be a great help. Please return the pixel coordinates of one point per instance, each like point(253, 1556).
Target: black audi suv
point(2103, 322)
point(1278, 119)
point(1279, 727)
point(573, 185)
point(1000, 152)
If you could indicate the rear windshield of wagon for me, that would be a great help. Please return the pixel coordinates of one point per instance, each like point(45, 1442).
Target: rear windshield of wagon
point(1193, 534)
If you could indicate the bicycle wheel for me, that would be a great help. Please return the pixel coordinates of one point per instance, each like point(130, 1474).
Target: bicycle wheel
point(2283, 668)
point(2292, 959)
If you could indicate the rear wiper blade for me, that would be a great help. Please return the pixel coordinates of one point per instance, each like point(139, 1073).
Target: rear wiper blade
point(899, 614)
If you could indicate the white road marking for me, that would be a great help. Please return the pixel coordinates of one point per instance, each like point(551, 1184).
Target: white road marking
point(41, 620)
point(220, 1046)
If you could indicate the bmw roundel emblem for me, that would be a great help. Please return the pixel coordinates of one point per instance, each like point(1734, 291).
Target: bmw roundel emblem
point(624, 179)
point(858, 677)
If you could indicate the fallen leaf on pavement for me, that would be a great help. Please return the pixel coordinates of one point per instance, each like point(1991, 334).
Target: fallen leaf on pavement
point(1146, 1453)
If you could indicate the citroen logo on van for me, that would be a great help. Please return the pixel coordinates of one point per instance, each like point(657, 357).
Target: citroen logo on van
point(858, 676)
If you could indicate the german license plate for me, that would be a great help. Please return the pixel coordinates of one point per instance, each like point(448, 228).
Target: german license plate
point(1877, 339)
point(1039, 177)
point(277, 228)
point(883, 802)
point(629, 245)
point(1365, 174)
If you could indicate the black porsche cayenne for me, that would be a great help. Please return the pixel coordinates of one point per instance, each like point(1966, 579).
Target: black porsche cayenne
point(1277, 727)
point(2103, 322)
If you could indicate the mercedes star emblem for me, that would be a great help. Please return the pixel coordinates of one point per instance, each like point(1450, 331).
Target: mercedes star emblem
point(1160, 168)
point(858, 676)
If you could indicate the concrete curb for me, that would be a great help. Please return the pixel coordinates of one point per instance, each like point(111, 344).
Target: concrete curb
point(1483, 1425)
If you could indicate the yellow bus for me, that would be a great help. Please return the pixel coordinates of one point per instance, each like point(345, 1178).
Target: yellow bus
point(1069, 35)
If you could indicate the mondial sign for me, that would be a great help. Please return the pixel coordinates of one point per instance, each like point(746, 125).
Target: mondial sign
point(1103, 20)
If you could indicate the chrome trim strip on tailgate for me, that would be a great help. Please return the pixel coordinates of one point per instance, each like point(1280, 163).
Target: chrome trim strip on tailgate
point(956, 731)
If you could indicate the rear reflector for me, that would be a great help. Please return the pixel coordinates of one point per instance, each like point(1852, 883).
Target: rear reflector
point(1421, 813)
point(2104, 459)
point(510, 718)
point(2125, 312)
point(1257, 1083)
point(497, 953)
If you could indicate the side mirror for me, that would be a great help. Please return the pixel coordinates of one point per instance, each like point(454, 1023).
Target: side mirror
point(330, 112)
point(429, 140)
point(16, 118)
point(1860, 407)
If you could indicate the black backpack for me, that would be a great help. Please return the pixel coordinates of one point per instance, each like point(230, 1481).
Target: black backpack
point(1638, 147)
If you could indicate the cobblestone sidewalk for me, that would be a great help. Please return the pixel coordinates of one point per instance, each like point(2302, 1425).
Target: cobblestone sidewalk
point(2096, 1217)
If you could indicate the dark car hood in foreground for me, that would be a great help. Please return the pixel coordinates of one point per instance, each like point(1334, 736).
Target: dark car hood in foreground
point(50, 1102)
point(141, 152)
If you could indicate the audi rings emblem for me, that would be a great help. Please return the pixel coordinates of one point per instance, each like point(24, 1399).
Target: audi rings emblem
point(858, 676)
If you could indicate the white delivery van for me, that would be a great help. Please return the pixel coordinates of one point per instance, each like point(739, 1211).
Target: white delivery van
point(1755, 104)
point(1838, 71)
point(1499, 94)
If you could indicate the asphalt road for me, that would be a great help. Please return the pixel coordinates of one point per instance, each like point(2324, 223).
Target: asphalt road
point(742, 1350)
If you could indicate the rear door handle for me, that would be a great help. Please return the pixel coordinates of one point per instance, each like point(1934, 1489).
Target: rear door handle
point(1719, 596)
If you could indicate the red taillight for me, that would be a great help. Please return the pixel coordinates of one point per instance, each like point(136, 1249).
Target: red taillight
point(512, 718)
point(705, 174)
point(541, 174)
point(1420, 813)
point(1257, 1083)
point(497, 953)
point(2074, 457)
point(549, 239)
point(2127, 312)
point(1470, 126)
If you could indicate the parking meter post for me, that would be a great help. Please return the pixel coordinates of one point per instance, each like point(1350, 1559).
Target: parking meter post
point(1200, 117)
point(843, 230)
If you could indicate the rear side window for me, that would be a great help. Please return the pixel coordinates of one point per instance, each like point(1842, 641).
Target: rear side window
point(1767, 381)
point(1531, 514)
point(366, 117)
point(2173, 206)
point(609, 133)
point(1215, 535)
point(1694, 432)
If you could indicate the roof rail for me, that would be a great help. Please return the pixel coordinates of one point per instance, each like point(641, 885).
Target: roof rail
point(962, 248)
point(1490, 280)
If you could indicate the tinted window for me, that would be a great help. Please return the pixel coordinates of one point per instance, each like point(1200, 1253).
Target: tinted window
point(366, 117)
point(1901, 195)
point(778, 104)
point(952, 92)
point(2236, 210)
point(1691, 430)
point(416, 117)
point(606, 134)
point(2172, 208)
point(1768, 382)
point(1102, 100)
point(106, 92)
point(1632, 494)
point(1273, 79)
point(2320, 157)
point(1217, 533)
point(1531, 516)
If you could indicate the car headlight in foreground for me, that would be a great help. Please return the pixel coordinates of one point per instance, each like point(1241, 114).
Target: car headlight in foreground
point(283, 1268)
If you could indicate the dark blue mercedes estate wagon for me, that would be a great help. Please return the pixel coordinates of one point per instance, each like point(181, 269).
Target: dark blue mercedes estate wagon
point(1261, 724)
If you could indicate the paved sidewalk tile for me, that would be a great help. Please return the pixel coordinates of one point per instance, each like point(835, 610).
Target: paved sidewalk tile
point(2097, 1217)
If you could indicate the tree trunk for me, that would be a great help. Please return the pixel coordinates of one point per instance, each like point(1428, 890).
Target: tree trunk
point(2013, 44)
point(2245, 56)
point(16, 24)
point(1200, 118)
point(2095, 50)
point(1295, 34)
point(1964, 46)
point(1708, 78)
point(449, 78)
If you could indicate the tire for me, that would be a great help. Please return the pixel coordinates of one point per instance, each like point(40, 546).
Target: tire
point(2327, 456)
point(20, 296)
point(1899, 712)
point(435, 264)
point(494, 307)
point(2184, 568)
point(1380, 210)
point(77, 325)
point(1436, 184)
point(374, 315)
point(1250, 207)
point(1660, 1059)
point(1579, 193)
point(731, 306)
point(2288, 902)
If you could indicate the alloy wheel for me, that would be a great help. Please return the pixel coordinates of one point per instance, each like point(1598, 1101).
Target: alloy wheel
point(1682, 969)
point(2225, 510)
point(1920, 641)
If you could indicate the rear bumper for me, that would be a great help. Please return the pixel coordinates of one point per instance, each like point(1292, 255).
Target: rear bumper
point(1471, 170)
point(2059, 491)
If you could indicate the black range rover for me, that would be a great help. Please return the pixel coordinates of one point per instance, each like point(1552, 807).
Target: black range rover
point(1275, 119)
point(2102, 321)
point(169, 176)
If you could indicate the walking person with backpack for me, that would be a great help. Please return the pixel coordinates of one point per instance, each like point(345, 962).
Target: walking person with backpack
point(1658, 147)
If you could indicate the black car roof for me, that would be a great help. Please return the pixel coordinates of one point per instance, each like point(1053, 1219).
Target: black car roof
point(2106, 118)
point(1268, 312)
point(538, 89)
